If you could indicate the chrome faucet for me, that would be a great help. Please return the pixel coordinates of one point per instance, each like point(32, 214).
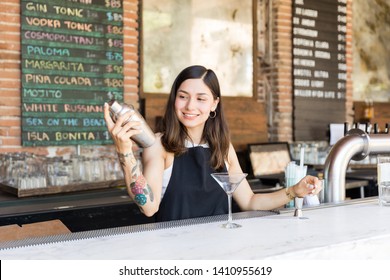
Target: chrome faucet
point(356, 145)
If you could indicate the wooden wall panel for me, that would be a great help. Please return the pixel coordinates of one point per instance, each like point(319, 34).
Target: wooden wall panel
point(381, 113)
point(315, 117)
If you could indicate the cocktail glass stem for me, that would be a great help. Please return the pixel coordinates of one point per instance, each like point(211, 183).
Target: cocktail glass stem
point(230, 218)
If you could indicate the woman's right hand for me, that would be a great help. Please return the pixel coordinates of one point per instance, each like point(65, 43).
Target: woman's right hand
point(309, 185)
point(120, 133)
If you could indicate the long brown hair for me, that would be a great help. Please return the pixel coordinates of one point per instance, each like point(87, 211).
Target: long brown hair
point(215, 132)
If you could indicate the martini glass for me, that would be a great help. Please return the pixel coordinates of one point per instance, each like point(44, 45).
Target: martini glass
point(229, 183)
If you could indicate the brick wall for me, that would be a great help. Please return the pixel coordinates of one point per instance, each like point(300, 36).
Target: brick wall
point(10, 84)
point(349, 96)
point(281, 79)
point(10, 74)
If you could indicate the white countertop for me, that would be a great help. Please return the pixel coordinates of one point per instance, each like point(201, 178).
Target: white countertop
point(355, 231)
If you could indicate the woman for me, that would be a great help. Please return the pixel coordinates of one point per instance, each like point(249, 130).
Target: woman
point(175, 182)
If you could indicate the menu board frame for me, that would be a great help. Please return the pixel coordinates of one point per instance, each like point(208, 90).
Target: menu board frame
point(71, 63)
point(319, 66)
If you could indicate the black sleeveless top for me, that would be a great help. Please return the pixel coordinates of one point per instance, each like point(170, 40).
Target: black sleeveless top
point(191, 191)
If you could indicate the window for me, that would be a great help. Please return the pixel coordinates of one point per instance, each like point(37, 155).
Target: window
point(217, 34)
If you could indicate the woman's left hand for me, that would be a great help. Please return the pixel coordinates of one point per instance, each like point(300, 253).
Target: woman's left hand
point(309, 185)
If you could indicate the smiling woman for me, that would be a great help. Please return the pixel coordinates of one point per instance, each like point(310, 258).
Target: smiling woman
point(194, 142)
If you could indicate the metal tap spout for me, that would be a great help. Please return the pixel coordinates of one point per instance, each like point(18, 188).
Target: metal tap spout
point(356, 145)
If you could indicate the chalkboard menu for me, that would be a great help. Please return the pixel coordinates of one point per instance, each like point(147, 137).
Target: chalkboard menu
point(319, 66)
point(72, 62)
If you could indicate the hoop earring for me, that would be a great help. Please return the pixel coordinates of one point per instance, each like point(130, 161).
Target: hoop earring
point(212, 116)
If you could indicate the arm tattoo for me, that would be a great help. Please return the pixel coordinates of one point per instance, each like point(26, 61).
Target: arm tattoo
point(141, 190)
point(138, 186)
point(122, 158)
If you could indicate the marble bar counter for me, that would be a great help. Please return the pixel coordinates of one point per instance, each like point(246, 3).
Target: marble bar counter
point(359, 229)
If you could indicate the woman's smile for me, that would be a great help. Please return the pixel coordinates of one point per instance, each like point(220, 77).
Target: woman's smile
point(190, 116)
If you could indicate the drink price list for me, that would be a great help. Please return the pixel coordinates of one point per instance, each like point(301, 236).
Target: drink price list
point(72, 62)
point(319, 66)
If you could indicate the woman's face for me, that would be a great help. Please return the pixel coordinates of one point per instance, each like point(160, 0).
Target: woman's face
point(193, 103)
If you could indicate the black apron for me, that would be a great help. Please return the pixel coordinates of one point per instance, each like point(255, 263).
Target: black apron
point(191, 191)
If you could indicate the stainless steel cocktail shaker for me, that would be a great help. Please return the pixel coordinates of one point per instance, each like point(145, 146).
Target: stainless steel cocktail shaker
point(146, 138)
